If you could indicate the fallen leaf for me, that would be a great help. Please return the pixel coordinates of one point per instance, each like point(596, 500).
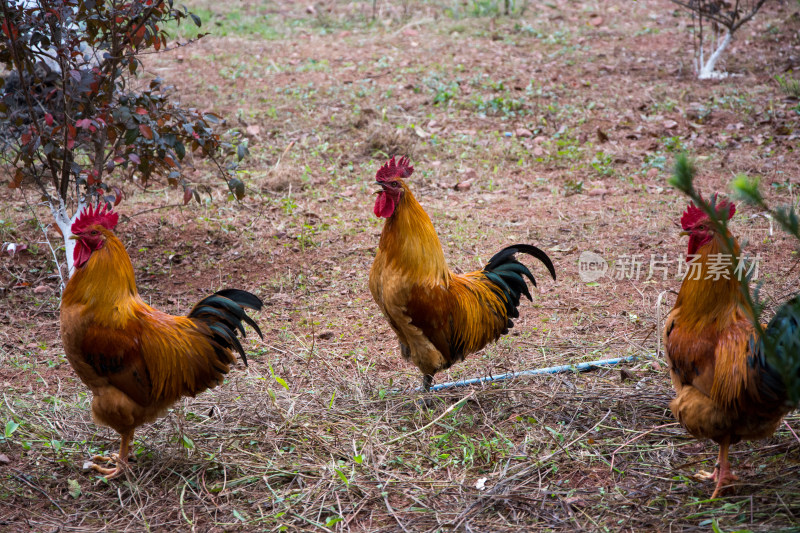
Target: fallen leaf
point(41, 289)
point(565, 248)
point(463, 185)
point(253, 130)
point(596, 21)
point(523, 132)
point(576, 501)
point(410, 32)
point(670, 124)
point(469, 174)
point(601, 136)
point(13, 248)
point(74, 488)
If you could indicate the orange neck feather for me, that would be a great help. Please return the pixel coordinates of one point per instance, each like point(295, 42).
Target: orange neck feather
point(706, 301)
point(106, 281)
point(410, 241)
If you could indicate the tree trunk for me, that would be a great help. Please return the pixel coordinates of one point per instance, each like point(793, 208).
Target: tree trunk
point(64, 223)
point(707, 71)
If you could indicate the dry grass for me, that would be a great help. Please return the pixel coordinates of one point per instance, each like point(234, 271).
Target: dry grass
point(563, 452)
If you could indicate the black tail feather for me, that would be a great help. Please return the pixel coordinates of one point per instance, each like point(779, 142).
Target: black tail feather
point(223, 313)
point(509, 274)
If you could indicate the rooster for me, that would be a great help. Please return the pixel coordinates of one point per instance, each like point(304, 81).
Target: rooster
point(136, 360)
point(726, 389)
point(439, 316)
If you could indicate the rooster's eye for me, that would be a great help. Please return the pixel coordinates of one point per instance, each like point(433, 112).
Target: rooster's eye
point(395, 184)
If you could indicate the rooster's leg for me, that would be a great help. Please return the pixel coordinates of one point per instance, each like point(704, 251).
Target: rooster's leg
point(121, 460)
point(427, 381)
point(724, 475)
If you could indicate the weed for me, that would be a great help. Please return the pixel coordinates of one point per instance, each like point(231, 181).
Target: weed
point(573, 187)
point(602, 164)
point(789, 86)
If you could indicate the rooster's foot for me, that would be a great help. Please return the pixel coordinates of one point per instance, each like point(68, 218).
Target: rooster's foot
point(113, 458)
point(707, 476)
point(109, 473)
point(725, 478)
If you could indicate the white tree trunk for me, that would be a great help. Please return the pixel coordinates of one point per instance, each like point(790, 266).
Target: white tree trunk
point(64, 223)
point(707, 71)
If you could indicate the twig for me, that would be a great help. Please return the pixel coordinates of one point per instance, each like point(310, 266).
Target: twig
point(155, 209)
point(637, 437)
point(34, 487)
point(426, 426)
point(47, 241)
point(790, 429)
point(573, 441)
point(278, 162)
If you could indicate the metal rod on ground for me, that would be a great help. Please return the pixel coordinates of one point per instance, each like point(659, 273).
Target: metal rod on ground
point(580, 367)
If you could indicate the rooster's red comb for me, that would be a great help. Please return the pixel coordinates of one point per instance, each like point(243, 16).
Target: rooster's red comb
point(694, 214)
point(391, 170)
point(92, 215)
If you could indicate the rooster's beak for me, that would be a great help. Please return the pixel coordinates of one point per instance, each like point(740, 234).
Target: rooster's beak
point(684, 233)
point(74, 237)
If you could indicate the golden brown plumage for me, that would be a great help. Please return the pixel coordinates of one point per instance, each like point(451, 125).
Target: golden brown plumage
point(725, 389)
point(136, 360)
point(439, 316)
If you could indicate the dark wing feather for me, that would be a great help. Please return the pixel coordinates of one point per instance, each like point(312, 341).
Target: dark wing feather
point(117, 356)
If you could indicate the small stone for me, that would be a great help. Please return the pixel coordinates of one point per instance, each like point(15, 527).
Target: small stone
point(41, 289)
point(670, 124)
point(523, 132)
point(4, 459)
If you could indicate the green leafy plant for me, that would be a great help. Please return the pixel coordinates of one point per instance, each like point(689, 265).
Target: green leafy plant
point(71, 115)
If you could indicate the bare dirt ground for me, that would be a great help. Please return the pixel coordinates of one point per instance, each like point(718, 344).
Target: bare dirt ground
point(560, 122)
